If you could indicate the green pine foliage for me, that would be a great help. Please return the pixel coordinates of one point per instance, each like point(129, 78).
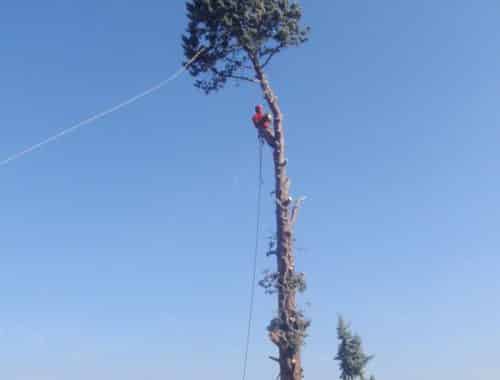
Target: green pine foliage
point(234, 35)
point(352, 359)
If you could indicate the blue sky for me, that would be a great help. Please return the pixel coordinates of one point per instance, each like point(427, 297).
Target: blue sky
point(126, 247)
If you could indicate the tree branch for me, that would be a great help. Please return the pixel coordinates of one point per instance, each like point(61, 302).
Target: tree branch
point(274, 359)
point(239, 63)
point(240, 77)
point(271, 55)
point(295, 209)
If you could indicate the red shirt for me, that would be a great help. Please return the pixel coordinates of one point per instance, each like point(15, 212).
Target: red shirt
point(257, 120)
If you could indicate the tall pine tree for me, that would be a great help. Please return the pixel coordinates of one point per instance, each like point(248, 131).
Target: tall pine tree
point(236, 41)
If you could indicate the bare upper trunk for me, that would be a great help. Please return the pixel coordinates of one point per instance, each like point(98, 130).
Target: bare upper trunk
point(290, 363)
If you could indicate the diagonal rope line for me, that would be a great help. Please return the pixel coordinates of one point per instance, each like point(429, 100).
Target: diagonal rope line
point(102, 114)
point(256, 252)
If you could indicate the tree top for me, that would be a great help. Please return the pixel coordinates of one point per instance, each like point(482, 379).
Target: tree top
point(236, 35)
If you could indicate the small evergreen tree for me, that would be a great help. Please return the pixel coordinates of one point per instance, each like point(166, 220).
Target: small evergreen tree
point(352, 359)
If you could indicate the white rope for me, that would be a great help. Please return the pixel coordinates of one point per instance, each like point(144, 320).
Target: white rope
point(100, 115)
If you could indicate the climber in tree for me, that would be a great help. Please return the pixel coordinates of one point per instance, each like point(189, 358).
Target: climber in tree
point(262, 122)
point(261, 119)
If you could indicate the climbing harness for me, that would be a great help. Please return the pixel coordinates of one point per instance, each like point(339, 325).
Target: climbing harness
point(256, 252)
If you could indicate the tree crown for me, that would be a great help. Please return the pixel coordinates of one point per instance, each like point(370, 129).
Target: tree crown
point(236, 35)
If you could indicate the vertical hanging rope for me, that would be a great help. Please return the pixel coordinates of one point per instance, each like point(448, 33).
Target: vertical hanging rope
point(256, 252)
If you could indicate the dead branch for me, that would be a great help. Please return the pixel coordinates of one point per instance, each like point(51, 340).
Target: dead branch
point(274, 359)
point(295, 209)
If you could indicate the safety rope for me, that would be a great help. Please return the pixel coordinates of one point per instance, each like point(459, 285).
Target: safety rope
point(102, 114)
point(256, 252)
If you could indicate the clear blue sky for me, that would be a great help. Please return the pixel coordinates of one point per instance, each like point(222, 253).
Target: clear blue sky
point(126, 247)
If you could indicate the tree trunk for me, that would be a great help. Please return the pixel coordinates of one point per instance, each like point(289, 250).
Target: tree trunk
point(289, 358)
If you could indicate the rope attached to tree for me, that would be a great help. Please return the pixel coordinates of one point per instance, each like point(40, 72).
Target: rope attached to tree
point(102, 114)
point(256, 252)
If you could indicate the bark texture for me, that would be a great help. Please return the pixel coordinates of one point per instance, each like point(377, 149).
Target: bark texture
point(289, 355)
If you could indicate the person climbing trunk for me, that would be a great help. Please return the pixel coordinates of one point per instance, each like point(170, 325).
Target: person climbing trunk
point(262, 121)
